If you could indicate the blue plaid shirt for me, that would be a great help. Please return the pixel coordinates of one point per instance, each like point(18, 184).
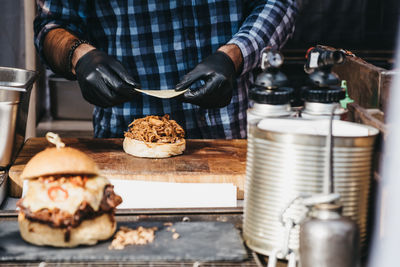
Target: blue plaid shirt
point(159, 41)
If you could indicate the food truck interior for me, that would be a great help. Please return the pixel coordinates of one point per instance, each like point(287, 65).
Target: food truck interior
point(363, 31)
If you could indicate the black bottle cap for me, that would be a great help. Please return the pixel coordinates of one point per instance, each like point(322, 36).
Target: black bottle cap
point(278, 96)
point(329, 94)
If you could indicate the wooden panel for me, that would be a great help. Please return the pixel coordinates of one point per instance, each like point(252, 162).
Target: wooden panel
point(362, 80)
point(371, 117)
point(367, 84)
point(204, 161)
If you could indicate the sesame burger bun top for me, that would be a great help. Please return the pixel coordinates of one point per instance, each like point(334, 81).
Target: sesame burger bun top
point(56, 161)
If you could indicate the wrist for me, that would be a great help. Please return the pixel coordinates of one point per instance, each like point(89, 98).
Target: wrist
point(234, 52)
point(79, 52)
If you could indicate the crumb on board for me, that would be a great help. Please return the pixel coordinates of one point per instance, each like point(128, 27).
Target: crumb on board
point(175, 236)
point(173, 230)
point(168, 224)
point(127, 236)
point(170, 229)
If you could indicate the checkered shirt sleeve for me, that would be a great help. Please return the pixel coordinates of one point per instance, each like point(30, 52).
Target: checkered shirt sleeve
point(58, 14)
point(271, 23)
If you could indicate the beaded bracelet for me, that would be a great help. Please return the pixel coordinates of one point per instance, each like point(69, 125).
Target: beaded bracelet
point(72, 50)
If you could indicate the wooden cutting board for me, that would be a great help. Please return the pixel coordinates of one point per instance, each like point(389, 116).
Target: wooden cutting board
point(204, 161)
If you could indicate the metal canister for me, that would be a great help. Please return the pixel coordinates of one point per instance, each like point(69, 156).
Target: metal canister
point(270, 95)
point(328, 239)
point(287, 160)
point(15, 88)
point(322, 91)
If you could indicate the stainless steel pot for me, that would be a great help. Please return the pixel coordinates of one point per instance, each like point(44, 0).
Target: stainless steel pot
point(286, 159)
point(15, 88)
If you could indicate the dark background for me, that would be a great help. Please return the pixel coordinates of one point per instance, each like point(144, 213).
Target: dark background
point(368, 28)
point(349, 24)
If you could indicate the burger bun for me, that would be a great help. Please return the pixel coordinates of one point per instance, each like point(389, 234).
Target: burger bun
point(89, 232)
point(153, 150)
point(56, 161)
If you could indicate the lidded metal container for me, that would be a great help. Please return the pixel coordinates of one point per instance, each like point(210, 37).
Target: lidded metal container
point(323, 91)
point(15, 88)
point(328, 239)
point(270, 95)
point(287, 159)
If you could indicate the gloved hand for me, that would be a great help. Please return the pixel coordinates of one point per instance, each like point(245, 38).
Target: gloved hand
point(103, 80)
point(218, 73)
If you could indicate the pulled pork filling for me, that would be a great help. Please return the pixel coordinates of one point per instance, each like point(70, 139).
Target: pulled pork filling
point(61, 219)
point(155, 129)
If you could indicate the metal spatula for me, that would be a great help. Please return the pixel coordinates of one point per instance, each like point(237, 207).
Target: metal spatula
point(171, 93)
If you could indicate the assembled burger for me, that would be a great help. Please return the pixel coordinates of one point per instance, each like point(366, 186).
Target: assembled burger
point(154, 137)
point(67, 203)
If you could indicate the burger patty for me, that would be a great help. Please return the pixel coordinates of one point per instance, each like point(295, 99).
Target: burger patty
point(61, 219)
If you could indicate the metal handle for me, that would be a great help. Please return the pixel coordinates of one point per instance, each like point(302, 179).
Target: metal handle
point(270, 57)
point(319, 198)
point(329, 183)
point(292, 260)
point(273, 259)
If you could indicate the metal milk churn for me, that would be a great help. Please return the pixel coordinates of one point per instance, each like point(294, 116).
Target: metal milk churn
point(327, 239)
point(323, 92)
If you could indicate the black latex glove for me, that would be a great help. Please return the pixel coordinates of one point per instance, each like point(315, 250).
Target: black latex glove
point(103, 80)
point(218, 73)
